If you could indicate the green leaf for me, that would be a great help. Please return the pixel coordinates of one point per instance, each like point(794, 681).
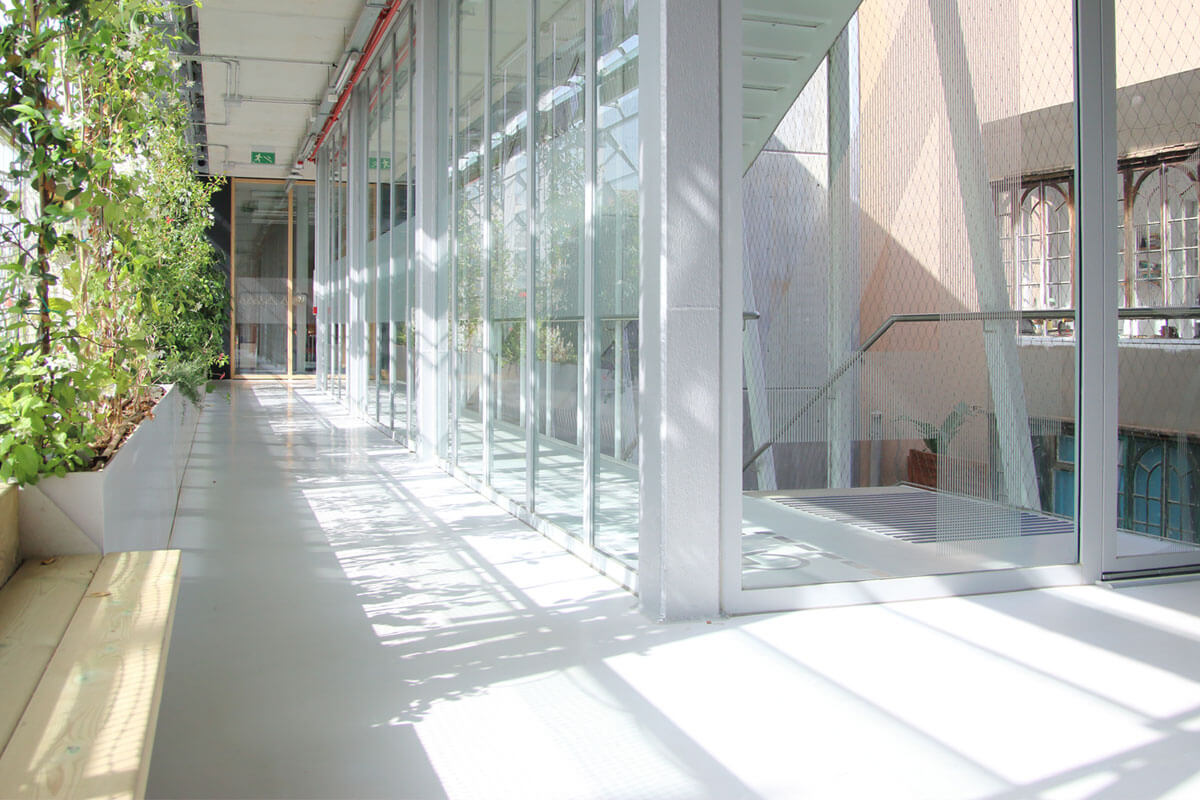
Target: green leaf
point(27, 112)
point(26, 461)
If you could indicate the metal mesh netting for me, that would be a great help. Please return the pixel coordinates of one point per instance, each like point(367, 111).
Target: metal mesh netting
point(1158, 130)
point(12, 237)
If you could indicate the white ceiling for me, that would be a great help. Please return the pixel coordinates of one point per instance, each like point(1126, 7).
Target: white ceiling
point(266, 65)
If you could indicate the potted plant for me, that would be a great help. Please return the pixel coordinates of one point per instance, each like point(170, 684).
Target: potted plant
point(923, 464)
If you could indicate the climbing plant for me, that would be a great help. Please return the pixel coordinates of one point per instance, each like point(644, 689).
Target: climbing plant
point(103, 227)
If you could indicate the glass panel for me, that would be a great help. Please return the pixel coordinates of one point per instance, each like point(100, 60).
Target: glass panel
point(342, 277)
point(560, 88)
point(304, 334)
point(1158, 503)
point(376, 348)
point(261, 269)
point(903, 417)
point(616, 283)
point(406, 155)
point(401, 231)
point(469, 233)
point(509, 209)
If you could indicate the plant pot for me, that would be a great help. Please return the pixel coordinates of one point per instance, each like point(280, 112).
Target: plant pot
point(130, 504)
point(923, 468)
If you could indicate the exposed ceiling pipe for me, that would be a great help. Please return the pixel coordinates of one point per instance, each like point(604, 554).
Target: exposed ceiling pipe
point(377, 31)
point(308, 62)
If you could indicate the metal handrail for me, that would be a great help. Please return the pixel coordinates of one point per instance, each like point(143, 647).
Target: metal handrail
point(1153, 312)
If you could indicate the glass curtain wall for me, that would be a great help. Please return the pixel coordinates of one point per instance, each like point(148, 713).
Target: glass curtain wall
point(508, 218)
point(387, 239)
point(341, 273)
point(470, 236)
point(401, 235)
point(544, 300)
point(907, 396)
point(618, 270)
point(304, 322)
point(1158, 347)
point(561, 86)
point(377, 265)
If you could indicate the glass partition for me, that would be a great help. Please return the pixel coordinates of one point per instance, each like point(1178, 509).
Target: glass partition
point(470, 250)
point(509, 219)
point(375, 267)
point(616, 285)
point(560, 88)
point(534, 276)
point(909, 350)
point(401, 232)
point(304, 320)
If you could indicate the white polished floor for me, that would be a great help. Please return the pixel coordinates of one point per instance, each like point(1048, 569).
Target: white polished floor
point(353, 624)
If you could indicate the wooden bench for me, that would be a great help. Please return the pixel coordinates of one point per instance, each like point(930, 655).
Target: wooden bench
point(83, 645)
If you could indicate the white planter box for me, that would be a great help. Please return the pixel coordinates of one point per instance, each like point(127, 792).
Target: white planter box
point(130, 504)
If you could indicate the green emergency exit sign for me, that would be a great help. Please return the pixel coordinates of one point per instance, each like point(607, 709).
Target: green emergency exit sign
point(262, 157)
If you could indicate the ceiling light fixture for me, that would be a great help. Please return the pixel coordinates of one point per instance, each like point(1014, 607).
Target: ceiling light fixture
point(344, 73)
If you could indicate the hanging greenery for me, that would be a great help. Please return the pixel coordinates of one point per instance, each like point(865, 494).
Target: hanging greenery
point(106, 271)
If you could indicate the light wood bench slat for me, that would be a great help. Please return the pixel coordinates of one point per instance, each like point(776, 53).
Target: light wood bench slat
point(35, 607)
point(89, 727)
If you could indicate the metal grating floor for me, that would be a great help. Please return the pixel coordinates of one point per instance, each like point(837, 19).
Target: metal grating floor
point(924, 517)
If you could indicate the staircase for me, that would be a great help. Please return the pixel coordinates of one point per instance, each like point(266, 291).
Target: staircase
point(783, 43)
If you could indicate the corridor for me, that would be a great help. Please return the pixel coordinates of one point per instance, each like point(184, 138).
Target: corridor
point(355, 624)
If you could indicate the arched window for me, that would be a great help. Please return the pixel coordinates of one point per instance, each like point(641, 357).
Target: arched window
point(1160, 486)
point(1043, 246)
point(1162, 265)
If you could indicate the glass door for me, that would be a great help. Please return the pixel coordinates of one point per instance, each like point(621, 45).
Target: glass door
point(304, 319)
point(273, 324)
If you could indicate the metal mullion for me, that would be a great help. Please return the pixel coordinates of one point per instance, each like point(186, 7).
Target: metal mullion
point(452, 334)
point(485, 388)
point(1163, 248)
point(337, 281)
point(589, 275)
point(1096, 302)
point(391, 317)
point(318, 300)
point(233, 278)
point(1130, 240)
point(359, 174)
point(373, 269)
point(291, 280)
point(335, 269)
point(529, 373)
point(410, 271)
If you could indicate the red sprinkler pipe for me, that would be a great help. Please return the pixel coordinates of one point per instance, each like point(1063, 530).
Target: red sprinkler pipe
point(377, 31)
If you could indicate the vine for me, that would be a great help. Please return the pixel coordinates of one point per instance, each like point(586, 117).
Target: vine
point(103, 233)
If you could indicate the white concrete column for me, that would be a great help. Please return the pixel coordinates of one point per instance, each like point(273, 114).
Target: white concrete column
point(685, 165)
point(843, 287)
point(431, 381)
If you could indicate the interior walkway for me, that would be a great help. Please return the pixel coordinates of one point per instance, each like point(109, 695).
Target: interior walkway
point(354, 624)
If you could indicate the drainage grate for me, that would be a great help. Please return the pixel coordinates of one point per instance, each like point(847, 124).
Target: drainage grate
point(924, 517)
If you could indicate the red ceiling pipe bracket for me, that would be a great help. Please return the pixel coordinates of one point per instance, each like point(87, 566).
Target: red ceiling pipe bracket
point(377, 31)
